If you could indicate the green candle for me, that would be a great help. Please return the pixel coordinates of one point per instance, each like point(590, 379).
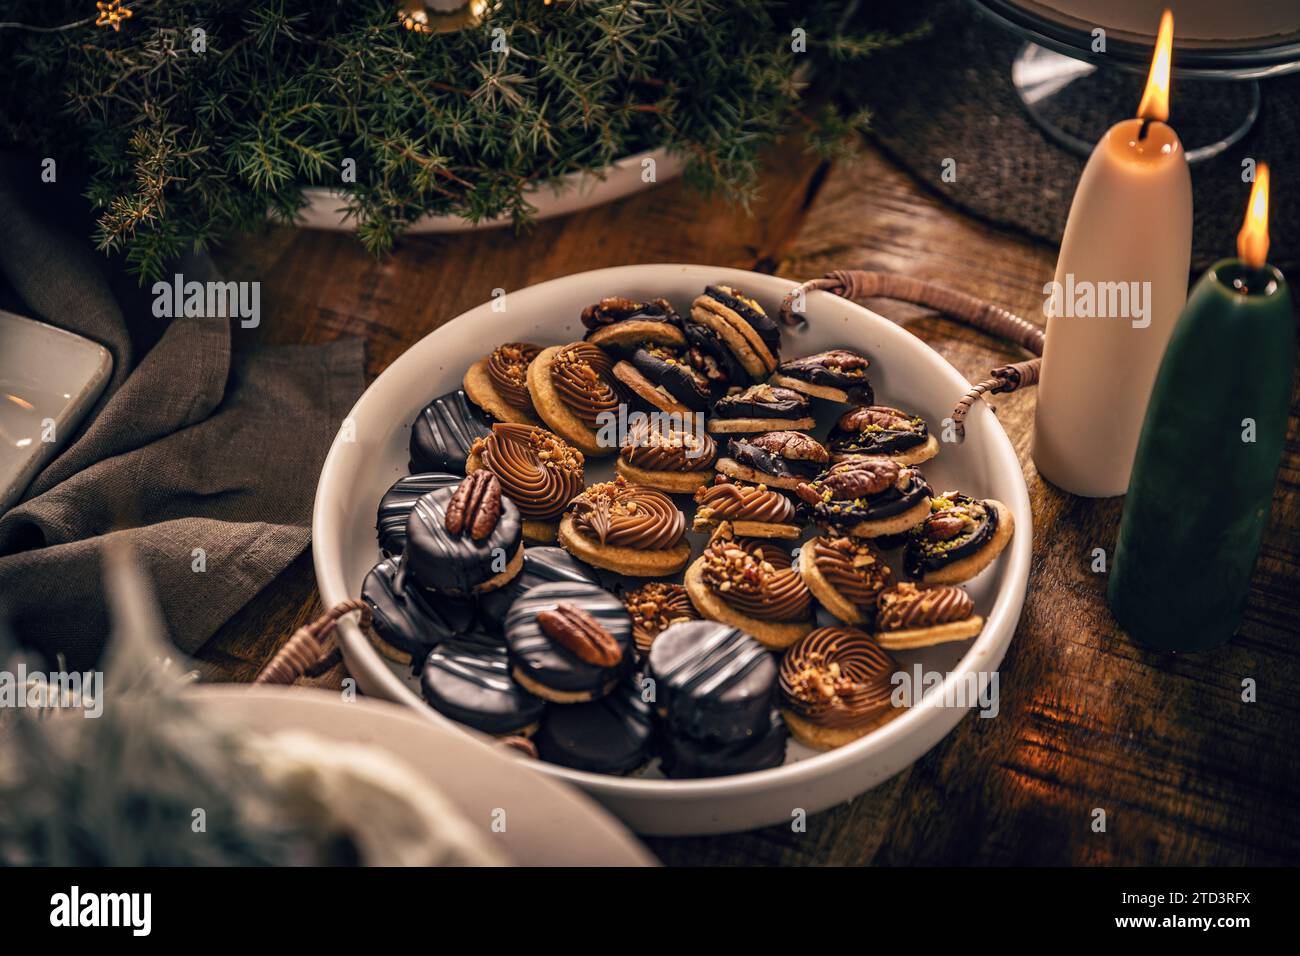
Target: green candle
point(1202, 481)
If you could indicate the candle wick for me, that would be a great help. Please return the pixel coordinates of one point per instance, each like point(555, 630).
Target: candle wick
point(1144, 128)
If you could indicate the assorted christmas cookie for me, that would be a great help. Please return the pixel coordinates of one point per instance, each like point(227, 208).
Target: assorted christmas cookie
point(569, 642)
point(542, 565)
point(882, 431)
point(754, 511)
point(908, 616)
point(839, 375)
point(709, 355)
point(395, 507)
point(958, 539)
point(573, 387)
point(655, 607)
point(406, 621)
point(750, 584)
point(664, 379)
point(499, 383)
point(751, 336)
point(467, 538)
point(610, 735)
point(867, 497)
point(659, 453)
point(471, 684)
point(846, 575)
point(761, 408)
point(624, 325)
point(441, 437)
point(539, 471)
point(686, 758)
point(835, 686)
point(780, 459)
point(626, 528)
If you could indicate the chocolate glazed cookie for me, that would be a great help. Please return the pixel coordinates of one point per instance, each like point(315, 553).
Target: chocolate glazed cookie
point(867, 497)
point(958, 539)
point(610, 735)
point(542, 565)
point(471, 684)
point(751, 336)
point(406, 622)
point(882, 431)
point(443, 433)
point(395, 507)
point(622, 324)
point(780, 459)
point(838, 375)
point(686, 758)
point(466, 538)
point(761, 408)
point(664, 379)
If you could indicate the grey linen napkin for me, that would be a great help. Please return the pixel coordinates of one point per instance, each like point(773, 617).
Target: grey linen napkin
point(203, 458)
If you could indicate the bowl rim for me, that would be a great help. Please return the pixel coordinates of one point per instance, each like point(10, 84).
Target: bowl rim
point(987, 649)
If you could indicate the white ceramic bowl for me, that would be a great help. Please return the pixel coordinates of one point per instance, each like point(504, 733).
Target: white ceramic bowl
point(368, 457)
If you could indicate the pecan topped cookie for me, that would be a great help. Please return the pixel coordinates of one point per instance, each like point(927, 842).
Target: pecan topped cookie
point(623, 324)
point(782, 459)
point(882, 431)
point(761, 408)
point(838, 375)
point(657, 453)
point(867, 497)
point(908, 616)
point(836, 684)
point(655, 607)
point(958, 538)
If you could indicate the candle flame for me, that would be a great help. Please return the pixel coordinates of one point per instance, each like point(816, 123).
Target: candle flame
point(1252, 241)
point(1155, 98)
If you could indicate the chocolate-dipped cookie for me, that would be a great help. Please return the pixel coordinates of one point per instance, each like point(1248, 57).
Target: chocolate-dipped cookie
point(686, 758)
point(750, 584)
point(574, 389)
point(471, 684)
point(838, 375)
point(664, 379)
point(747, 331)
point(443, 433)
point(406, 622)
point(499, 383)
point(542, 565)
point(846, 575)
point(882, 431)
point(867, 497)
point(780, 459)
point(957, 539)
point(655, 607)
point(754, 511)
point(709, 355)
point(464, 539)
point(661, 453)
point(539, 471)
point(626, 528)
point(908, 617)
point(713, 682)
point(761, 408)
point(569, 642)
point(610, 735)
point(396, 504)
point(622, 324)
point(835, 686)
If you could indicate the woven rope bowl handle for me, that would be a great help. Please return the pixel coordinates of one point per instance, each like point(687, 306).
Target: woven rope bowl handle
point(312, 648)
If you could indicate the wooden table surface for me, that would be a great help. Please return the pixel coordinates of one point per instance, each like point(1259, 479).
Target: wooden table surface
point(1186, 771)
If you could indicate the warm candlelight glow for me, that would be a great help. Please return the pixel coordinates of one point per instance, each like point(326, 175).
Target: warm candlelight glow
point(1155, 98)
point(1252, 241)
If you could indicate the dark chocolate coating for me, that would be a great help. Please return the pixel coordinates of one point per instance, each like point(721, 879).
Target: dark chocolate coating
point(765, 461)
point(444, 431)
point(395, 507)
point(917, 562)
point(710, 343)
point(683, 757)
point(858, 388)
point(676, 379)
point(542, 565)
point(408, 618)
point(610, 735)
point(888, 503)
point(760, 322)
point(733, 406)
point(543, 660)
point(470, 683)
point(456, 562)
point(714, 683)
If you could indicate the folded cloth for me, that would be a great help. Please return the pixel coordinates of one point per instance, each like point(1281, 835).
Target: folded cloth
point(204, 458)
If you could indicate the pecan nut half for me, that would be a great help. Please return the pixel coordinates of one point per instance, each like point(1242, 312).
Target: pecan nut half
point(861, 477)
point(842, 360)
point(793, 445)
point(577, 631)
point(475, 507)
point(881, 416)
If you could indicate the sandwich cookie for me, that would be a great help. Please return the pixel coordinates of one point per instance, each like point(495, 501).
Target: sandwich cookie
point(744, 328)
point(761, 408)
point(686, 758)
point(882, 431)
point(573, 387)
point(569, 642)
point(751, 585)
point(867, 497)
point(466, 538)
point(395, 507)
point(610, 735)
point(659, 454)
point(622, 325)
point(780, 459)
point(471, 684)
point(542, 565)
point(713, 683)
point(958, 539)
point(846, 575)
point(909, 617)
point(443, 433)
point(406, 622)
point(664, 379)
point(838, 375)
point(626, 528)
point(709, 355)
point(835, 687)
point(539, 471)
point(754, 511)
point(499, 383)
point(655, 607)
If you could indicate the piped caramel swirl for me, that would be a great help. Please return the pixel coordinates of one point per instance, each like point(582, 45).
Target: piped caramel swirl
point(755, 578)
point(624, 515)
point(539, 471)
point(653, 446)
point(654, 608)
point(507, 369)
point(583, 375)
point(837, 677)
point(852, 566)
point(907, 606)
point(735, 501)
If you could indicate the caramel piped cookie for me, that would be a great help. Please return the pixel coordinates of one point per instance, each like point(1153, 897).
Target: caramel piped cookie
point(572, 387)
point(835, 686)
point(626, 528)
point(958, 539)
point(882, 431)
point(781, 459)
point(751, 585)
point(499, 383)
point(539, 471)
point(867, 497)
point(466, 538)
point(846, 575)
point(908, 617)
point(658, 455)
point(622, 324)
point(754, 511)
point(655, 607)
point(744, 328)
point(761, 408)
point(838, 375)
point(664, 378)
